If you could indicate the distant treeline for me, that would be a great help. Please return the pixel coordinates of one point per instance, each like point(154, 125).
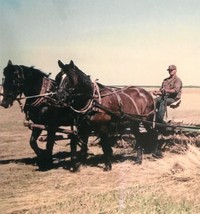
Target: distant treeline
point(191, 86)
point(151, 86)
point(187, 86)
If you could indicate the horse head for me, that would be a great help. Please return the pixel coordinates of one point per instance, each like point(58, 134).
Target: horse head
point(20, 79)
point(73, 83)
point(13, 84)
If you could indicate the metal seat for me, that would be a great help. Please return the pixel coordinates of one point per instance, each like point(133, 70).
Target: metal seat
point(175, 104)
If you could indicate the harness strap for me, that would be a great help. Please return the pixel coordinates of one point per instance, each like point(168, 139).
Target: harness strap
point(96, 90)
point(115, 91)
point(90, 101)
point(38, 102)
point(119, 101)
point(20, 104)
point(84, 109)
point(46, 87)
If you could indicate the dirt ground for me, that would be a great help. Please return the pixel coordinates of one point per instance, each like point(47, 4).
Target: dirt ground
point(168, 182)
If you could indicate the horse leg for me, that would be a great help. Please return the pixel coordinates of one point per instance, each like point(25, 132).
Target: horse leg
point(157, 152)
point(49, 146)
point(139, 149)
point(33, 141)
point(41, 153)
point(83, 138)
point(107, 151)
point(74, 160)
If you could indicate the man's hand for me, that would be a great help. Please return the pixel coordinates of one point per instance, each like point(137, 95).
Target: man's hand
point(157, 93)
point(163, 91)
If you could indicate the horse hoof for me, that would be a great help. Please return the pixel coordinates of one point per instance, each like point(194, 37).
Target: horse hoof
point(107, 168)
point(84, 157)
point(157, 155)
point(138, 162)
point(75, 168)
point(44, 166)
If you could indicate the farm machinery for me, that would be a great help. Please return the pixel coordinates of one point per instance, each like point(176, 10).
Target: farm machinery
point(171, 132)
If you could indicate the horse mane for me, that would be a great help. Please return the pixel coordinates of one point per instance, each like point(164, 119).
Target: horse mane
point(84, 79)
point(32, 70)
point(101, 86)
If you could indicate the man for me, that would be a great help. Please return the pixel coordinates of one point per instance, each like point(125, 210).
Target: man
point(170, 91)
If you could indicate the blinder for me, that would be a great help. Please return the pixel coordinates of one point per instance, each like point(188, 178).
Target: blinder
point(15, 89)
point(63, 95)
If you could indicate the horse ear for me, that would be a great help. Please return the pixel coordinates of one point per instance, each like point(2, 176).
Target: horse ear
point(72, 64)
point(60, 64)
point(9, 62)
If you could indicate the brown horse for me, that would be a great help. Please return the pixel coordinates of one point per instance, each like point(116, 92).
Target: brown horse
point(106, 110)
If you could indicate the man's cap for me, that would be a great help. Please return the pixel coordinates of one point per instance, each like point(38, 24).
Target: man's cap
point(171, 67)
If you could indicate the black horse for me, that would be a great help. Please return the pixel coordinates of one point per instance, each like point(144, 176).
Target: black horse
point(106, 110)
point(34, 84)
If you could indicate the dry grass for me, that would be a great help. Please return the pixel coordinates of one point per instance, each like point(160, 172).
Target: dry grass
point(168, 185)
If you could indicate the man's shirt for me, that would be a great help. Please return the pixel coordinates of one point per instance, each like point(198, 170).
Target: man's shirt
point(173, 83)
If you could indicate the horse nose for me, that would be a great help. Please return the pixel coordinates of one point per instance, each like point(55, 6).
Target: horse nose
point(5, 103)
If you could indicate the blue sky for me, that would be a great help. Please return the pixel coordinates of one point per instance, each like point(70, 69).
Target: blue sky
point(128, 42)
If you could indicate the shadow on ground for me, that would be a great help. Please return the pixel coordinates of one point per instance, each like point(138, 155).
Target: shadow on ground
point(62, 160)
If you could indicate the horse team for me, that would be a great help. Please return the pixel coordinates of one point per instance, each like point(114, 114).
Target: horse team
point(72, 99)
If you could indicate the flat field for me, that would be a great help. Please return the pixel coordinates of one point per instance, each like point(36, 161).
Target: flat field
point(168, 185)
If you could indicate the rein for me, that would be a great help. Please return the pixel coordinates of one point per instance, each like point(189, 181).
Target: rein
point(47, 84)
point(36, 96)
